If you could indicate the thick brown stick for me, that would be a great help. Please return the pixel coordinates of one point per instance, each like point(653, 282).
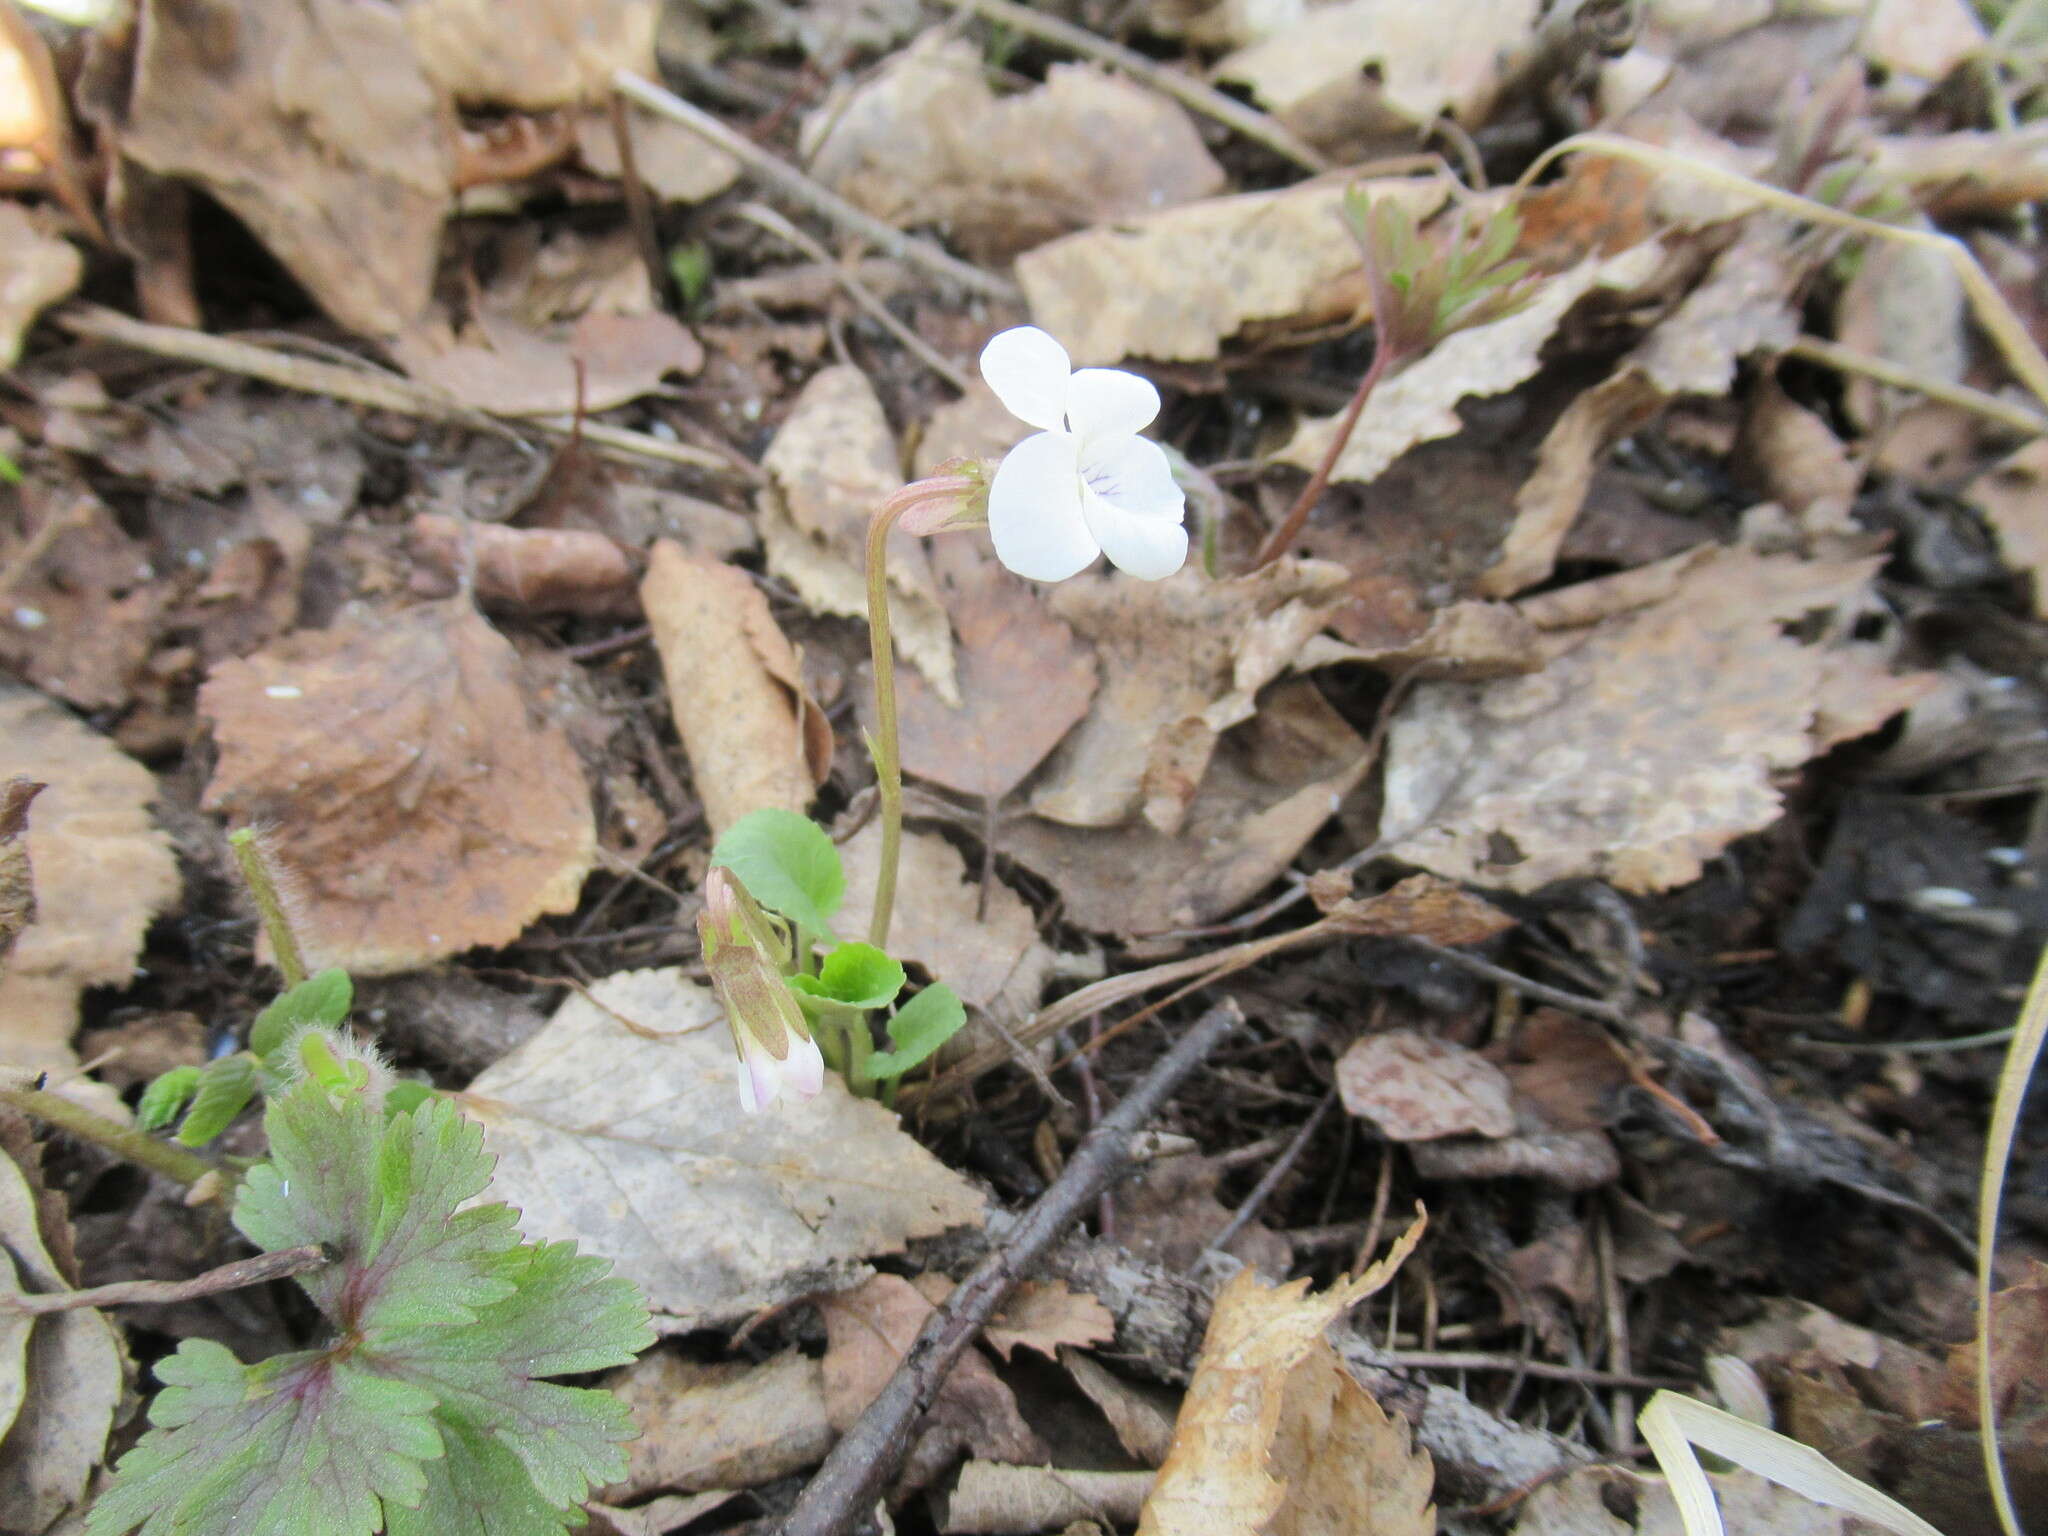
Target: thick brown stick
point(845, 1488)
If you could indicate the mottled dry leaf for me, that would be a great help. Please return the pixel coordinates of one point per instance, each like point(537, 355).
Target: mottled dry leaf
point(1141, 1415)
point(831, 465)
point(727, 666)
point(678, 166)
point(420, 800)
point(1421, 907)
point(632, 1141)
point(925, 141)
point(530, 54)
point(1277, 1437)
point(1177, 284)
point(868, 1331)
point(102, 871)
point(1790, 455)
point(65, 1384)
point(1583, 1503)
point(1182, 661)
point(1419, 404)
point(17, 870)
point(1415, 1087)
point(315, 125)
point(1906, 305)
point(992, 957)
point(1648, 745)
point(992, 1496)
point(529, 570)
point(82, 616)
point(730, 1425)
point(1043, 1315)
point(36, 270)
point(512, 370)
point(2013, 496)
point(1024, 682)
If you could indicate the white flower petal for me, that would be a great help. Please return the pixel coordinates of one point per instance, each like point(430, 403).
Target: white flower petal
point(757, 1088)
point(1134, 474)
point(1143, 544)
point(1034, 509)
point(804, 1073)
point(1028, 370)
point(1107, 402)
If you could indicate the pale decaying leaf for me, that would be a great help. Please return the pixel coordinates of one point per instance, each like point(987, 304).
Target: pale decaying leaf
point(2013, 496)
point(619, 1125)
point(991, 1497)
point(1584, 1503)
point(1340, 62)
point(1276, 1438)
point(678, 166)
point(1141, 1414)
point(601, 361)
point(420, 800)
point(102, 871)
point(1183, 661)
point(531, 54)
point(1416, 1087)
point(37, 269)
point(1043, 1315)
point(1650, 742)
point(728, 1425)
point(318, 128)
point(831, 465)
point(1177, 284)
point(728, 669)
point(1419, 404)
point(1906, 305)
point(926, 141)
point(61, 1374)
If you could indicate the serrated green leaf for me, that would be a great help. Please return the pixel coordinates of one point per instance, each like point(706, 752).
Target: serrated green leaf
point(854, 976)
point(222, 1092)
point(162, 1099)
point(788, 864)
point(404, 1098)
point(920, 1027)
point(322, 1000)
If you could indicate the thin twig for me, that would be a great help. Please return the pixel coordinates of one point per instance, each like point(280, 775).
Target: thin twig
point(793, 183)
point(845, 1488)
point(1481, 1360)
point(138, 1293)
point(1188, 91)
point(1270, 1181)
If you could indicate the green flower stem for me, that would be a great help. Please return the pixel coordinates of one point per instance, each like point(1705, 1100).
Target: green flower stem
point(124, 1141)
point(256, 874)
point(1282, 538)
point(860, 1045)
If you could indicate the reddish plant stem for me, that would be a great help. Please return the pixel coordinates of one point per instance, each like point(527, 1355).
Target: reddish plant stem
point(1282, 538)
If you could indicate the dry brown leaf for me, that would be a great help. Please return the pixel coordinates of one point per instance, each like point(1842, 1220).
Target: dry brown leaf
point(1648, 744)
point(1420, 907)
point(1363, 66)
point(529, 570)
point(1024, 681)
point(1182, 661)
point(730, 1425)
point(994, 958)
point(831, 465)
point(1790, 455)
point(315, 126)
point(1141, 1414)
point(868, 1331)
point(1419, 404)
point(678, 166)
point(1276, 1438)
point(530, 54)
point(650, 1161)
point(1177, 284)
point(658, 1517)
point(1584, 1503)
point(1272, 783)
point(925, 141)
point(17, 869)
point(728, 669)
point(2013, 496)
point(36, 270)
point(102, 871)
point(1043, 1315)
point(420, 800)
point(1924, 39)
point(1415, 1087)
point(512, 370)
point(992, 1499)
point(1905, 304)
point(1168, 1214)
point(80, 617)
point(63, 1375)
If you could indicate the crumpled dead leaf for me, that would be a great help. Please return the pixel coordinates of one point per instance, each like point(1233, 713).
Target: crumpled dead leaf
point(1417, 1087)
point(102, 871)
point(1183, 660)
point(1650, 743)
point(1178, 283)
point(734, 688)
point(925, 141)
point(82, 609)
point(677, 165)
point(17, 870)
point(2013, 496)
point(514, 370)
point(1141, 1414)
point(529, 570)
point(992, 1498)
point(1585, 1500)
point(868, 1331)
point(831, 465)
point(421, 802)
point(1043, 1315)
point(530, 54)
point(714, 1213)
point(728, 1425)
point(37, 269)
point(1276, 1437)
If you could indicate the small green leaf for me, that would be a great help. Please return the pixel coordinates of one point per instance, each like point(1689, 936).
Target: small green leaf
point(690, 265)
point(224, 1091)
point(788, 864)
point(323, 999)
point(854, 976)
point(405, 1098)
point(162, 1099)
point(920, 1027)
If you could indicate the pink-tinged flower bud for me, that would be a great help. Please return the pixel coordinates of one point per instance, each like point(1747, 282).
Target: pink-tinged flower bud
point(744, 954)
point(951, 499)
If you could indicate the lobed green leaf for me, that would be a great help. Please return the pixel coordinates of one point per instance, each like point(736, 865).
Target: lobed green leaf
point(322, 1000)
point(920, 1027)
point(853, 975)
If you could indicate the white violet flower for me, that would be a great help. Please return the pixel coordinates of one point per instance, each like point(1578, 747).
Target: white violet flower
point(1085, 484)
